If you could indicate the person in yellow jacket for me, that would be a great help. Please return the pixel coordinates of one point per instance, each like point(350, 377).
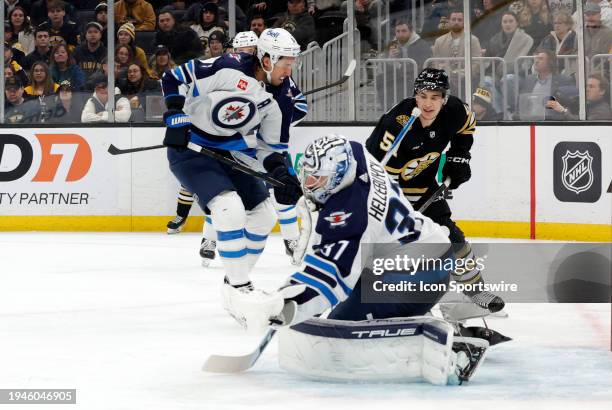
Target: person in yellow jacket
point(140, 13)
point(126, 36)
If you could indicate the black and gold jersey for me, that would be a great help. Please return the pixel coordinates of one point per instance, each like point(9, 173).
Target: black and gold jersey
point(415, 164)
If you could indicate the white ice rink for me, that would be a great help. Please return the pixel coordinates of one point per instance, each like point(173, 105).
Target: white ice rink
point(128, 319)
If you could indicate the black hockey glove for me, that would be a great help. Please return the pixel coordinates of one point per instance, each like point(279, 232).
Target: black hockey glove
point(278, 169)
point(457, 168)
point(177, 128)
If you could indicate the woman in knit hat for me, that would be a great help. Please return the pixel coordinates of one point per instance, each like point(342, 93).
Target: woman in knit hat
point(126, 36)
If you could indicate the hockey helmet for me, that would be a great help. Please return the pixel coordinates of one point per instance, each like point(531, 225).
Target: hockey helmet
point(432, 79)
point(327, 166)
point(245, 39)
point(277, 43)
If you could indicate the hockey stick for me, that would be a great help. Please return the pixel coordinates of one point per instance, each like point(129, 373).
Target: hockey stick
point(398, 140)
point(347, 74)
point(237, 364)
point(118, 151)
point(440, 191)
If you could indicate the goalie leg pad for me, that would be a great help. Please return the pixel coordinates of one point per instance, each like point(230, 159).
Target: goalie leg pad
point(229, 220)
point(400, 349)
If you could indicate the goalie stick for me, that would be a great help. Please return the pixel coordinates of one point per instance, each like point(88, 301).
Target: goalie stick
point(237, 364)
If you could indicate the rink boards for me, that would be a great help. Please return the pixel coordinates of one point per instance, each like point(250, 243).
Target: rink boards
point(542, 182)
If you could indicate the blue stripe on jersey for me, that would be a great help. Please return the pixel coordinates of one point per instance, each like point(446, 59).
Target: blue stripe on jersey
point(230, 235)
point(287, 209)
point(327, 267)
point(254, 251)
point(232, 254)
point(282, 147)
point(287, 221)
point(208, 220)
point(254, 237)
point(323, 289)
point(178, 73)
point(228, 143)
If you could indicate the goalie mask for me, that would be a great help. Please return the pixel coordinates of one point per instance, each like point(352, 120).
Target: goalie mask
point(327, 166)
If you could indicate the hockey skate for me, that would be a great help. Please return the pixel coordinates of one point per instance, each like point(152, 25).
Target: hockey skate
point(207, 251)
point(470, 355)
point(176, 225)
point(487, 300)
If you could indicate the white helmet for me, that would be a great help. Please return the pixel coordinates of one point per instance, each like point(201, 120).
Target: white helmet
point(327, 166)
point(277, 42)
point(245, 39)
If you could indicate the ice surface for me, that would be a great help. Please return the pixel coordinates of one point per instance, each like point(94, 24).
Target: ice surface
point(128, 319)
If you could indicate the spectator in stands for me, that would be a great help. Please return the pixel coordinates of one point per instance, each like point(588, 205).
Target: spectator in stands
point(41, 82)
point(9, 62)
point(215, 44)
point(9, 5)
point(126, 36)
point(366, 18)
point(101, 17)
point(40, 12)
point(181, 41)
point(194, 13)
point(597, 37)
point(547, 82)
point(298, 22)
point(481, 105)
point(124, 56)
point(60, 30)
point(605, 12)
point(597, 105)
point(257, 24)
point(135, 86)
point(90, 53)
point(451, 45)
point(408, 44)
point(64, 68)
point(20, 30)
point(509, 43)
point(562, 40)
point(9, 72)
point(488, 20)
point(557, 6)
point(96, 107)
point(437, 21)
point(67, 106)
point(139, 13)
point(18, 109)
point(42, 49)
point(318, 7)
point(161, 61)
point(209, 22)
point(535, 18)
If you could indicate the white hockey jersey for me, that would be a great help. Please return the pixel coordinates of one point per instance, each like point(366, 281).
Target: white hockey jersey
point(226, 104)
point(372, 210)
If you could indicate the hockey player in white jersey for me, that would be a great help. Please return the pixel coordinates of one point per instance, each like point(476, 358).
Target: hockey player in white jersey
point(358, 204)
point(224, 105)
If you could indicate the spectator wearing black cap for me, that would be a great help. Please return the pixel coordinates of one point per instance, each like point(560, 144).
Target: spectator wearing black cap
point(215, 44)
point(182, 42)
point(101, 17)
point(67, 105)
point(61, 30)
point(140, 13)
point(63, 67)
point(194, 12)
point(161, 61)
point(18, 109)
point(90, 53)
point(9, 61)
point(298, 22)
point(209, 22)
point(96, 107)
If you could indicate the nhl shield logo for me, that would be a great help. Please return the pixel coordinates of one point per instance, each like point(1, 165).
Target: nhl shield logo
point(577, 173)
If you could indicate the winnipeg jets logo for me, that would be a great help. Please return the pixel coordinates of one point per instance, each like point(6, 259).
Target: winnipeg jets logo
point(577, 174)
point(337, 219)
point(233, 112)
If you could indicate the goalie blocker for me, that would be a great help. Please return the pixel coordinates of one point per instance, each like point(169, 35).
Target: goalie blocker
point(415, 349)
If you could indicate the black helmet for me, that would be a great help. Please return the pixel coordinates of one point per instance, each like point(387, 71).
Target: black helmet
point(432, 79)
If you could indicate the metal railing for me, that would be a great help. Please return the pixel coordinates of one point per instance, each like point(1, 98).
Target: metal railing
point(309, 74)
